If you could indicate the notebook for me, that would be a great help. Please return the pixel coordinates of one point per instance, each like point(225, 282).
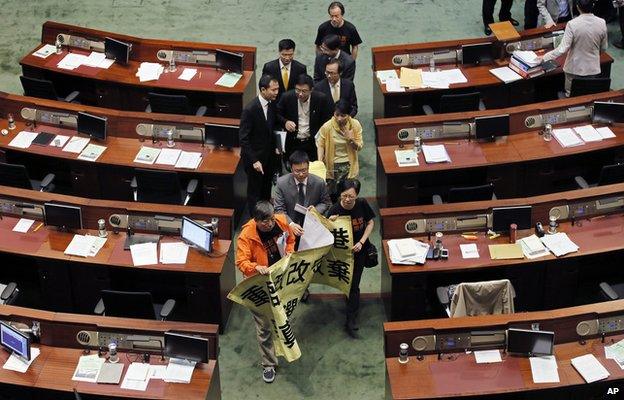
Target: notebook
point(44, 139)
point(590, 368)
point(110, 373)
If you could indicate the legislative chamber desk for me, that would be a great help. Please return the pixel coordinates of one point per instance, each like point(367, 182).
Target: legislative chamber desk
point(455, 373)
point(118, 87)
point(521, 164)
point(593, 219)
point(49, 375)
point(447, 54)
point(222, 180)
point(50, 279)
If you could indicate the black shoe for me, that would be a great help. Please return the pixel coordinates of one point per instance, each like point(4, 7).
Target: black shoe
point(351, 332)
point(487, 30)
point(352, 324)
point(514, 22)
point(620, 44)
point(305, 296)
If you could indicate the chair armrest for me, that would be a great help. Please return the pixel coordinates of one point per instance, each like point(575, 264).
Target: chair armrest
point(581, 182)
point(190, 189)
point(99, 308)
point(608, 291)
point(8, 291)
point(427, 109)
point(134, 186)
point(72, 96)
point(481, 105)
point(167, 309)
point(436, 199)
point(561, 95)
point(201, 111)
point(47, 180)
point(442, 293)
point(148, 109)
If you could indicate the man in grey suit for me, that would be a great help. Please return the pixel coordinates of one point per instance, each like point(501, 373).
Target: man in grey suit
point(584, 38)
point(553, 12)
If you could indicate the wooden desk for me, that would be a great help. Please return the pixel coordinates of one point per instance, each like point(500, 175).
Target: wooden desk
point(49, 376)
point(221, 176)
point(401, 130)
point(118, 87)
point(457, 374)
point(494, 92)
point(522, 164)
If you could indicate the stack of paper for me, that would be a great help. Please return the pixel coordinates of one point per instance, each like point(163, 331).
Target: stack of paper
point(137, 377)
point(147, 155)
point(23, 225)
point(188, 160)
point(18, 364)
point(76, 144)
point(85, 245)
point(407, 251)
point(434, 80)
point(487, 356)
point(505, 74)
point(229, 79)
point(72, 61)
point(567, 138)
point(187, 74)
point(45, 51)
point(410, 78)
point(88, 368)
point(605, 132)
point(587, 133)
point(560, 244)
point(544, 369)
point(469, 250)
point(435, 153)
point(616, 353)
point(92, 152)
point(59, 141)
point(505, 251)
point(23, 140)
point(394, 85)
point(149, 71)
point(384, 75)
point(179, 371)
point(173, 253)
point(528, 57)
point(406, 158)
point(532, 247)
point(144, 254)
point(590, 368)
point(168, 157)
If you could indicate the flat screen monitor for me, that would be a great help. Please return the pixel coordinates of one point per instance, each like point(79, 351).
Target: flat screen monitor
point(220, 135)
point(489, 128)
point(479, 53)
point(608, 113)
point(14, 340)
point(92, 125)
point(529, 342)
point(196, 234)
point(186, 347)
point(502, 217)
point(229, 61)
point(117, 50)
point(62, 216)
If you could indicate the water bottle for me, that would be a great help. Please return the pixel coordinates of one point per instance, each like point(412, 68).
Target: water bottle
point(59, 46)
point(11, 121)
point(112, 353)
point(552, 225)
point(170, 142)
point(403, 358)
point(172, 64)
point(102, 228)
point(417, 144)
point(547, 133)
point(432, 66)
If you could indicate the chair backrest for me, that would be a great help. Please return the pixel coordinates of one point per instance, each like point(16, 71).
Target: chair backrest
point(471, 193)
point(169, 103)
point(158, 186)
point(459, 102)
point(14, 175)
point(128, 304)
point(583, 86)
point(41, 88)
point(610, 174)
point(483, 298)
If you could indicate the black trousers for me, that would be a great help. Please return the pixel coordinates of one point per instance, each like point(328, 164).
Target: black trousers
point(530, 14)
point(353, 302)
point(259, 185)
point(621, 12)
point(487, 11)
point(308, 146)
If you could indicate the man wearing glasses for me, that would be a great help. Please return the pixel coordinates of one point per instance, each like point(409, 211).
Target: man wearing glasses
point(302, 112)
point(337, 87)
point(330, 50)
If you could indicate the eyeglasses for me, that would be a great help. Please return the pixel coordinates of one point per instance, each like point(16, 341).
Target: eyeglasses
point(347, 196)
point(302, 91)
point(300, 171)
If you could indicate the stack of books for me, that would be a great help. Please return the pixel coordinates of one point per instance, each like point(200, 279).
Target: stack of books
point(526, 64)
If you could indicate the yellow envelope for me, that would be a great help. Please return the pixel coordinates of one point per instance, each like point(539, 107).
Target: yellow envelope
point(505, 251)
point(411, 78)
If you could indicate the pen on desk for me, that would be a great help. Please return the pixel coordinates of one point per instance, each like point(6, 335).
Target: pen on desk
point(38, 227)
point(469, 237)
point(451, 143)
point(200, 74)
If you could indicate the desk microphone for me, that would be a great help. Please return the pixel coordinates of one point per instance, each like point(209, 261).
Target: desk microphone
point(77, 395)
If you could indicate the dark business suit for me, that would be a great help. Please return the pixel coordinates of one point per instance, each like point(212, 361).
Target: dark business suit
point(287, 194)
point(347, 92)
point(257, 143)
point(321, 110)
point(487, 11)
point(348, 66)
point(273, 68)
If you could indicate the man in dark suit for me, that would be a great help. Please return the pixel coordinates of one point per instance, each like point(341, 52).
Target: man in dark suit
point(257, 141)
point(487, 13)
point(336, 87)
point(302, 112)
point(285, 69)
point(330, 50)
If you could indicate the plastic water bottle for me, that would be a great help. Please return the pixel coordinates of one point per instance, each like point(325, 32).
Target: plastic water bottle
point(403, 358)
point(547, 133)
point(432, 66)
point(170, 142)
point(59, 46)
point(417, 144)
point(112, 353)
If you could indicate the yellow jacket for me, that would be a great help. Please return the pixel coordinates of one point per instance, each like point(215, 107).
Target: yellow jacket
point(326, 140)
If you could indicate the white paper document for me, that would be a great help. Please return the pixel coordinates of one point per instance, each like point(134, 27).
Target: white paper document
point(386, 74)
point(88, 368)
point(137, 377)
point(45, 51)
point(406, 158)
point(149, 71)
point(23, 140)
point(59, 141)
point(434, 80)
point(23, 225)
point(567, 138)
point(505, 74)
point(98, 243)
point(179, 371)
point(469, 250)
point(435, 153)
point(560, 244)
point(80, 245)
point(187, 74)
point(528, 57)
point(72, 61)
point(588, 133)
point(532, 247)
point(92, 152)
point(157, 371)
point(173, 253)
point(314, 234)
point(487, 356)
point(18, 364)
point(168, 157)
point(147, 155)
point(544, 369)
point(394, 85)
point(605, 132)
point(76, 144)
point(229, 79)
point(189, 160)
point(590, 368)
point(452, 76)
point(407, 251)
point(94, 59)
point(144, 254)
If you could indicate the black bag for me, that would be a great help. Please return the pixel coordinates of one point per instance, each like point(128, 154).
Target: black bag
point(372, 257)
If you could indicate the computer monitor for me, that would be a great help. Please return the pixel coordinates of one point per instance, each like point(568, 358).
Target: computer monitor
point(92, 125)
point(229, 61)
point(196, 234)
point(220, 135)
point(62, 216)
point(479, 53)
point(608, 113)
point(489, 128)
point(529, 342)
point(14, 340)
point(502, 217)
point(187, 347)
point(117, 50)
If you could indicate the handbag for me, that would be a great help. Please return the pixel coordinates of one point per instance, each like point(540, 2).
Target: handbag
point(372, 257)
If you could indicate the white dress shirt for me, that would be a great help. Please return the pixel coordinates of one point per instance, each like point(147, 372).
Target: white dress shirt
point(303, 125)
point(265, 105)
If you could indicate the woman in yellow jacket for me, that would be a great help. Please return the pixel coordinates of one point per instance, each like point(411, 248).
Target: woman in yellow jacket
point(338, 143)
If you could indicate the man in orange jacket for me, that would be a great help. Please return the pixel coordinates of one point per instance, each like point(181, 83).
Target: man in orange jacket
point(256, 250)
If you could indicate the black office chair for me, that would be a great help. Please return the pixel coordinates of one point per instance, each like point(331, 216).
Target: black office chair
point(8, 293)
point(445, 294)
point(132, 305)
point(612, 291)
point(172, 104)
point(609, 174)
point(151, 186)
point(468, 193)
point(583, 86)
point(457, 103)
point(16, 175)
point(44, 89)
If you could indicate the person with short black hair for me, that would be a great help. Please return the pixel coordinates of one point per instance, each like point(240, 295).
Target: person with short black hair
point(487, 13)
point(338, 88)
point(285, 68)
point(302, 111)
point(337, 25)
point(330, 50)
point(362, 222)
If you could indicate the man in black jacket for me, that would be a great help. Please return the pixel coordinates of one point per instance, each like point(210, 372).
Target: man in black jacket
point(257, 141)
point(331, 51)
point(302, 112)
point(336, 87)
point(285, 69)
